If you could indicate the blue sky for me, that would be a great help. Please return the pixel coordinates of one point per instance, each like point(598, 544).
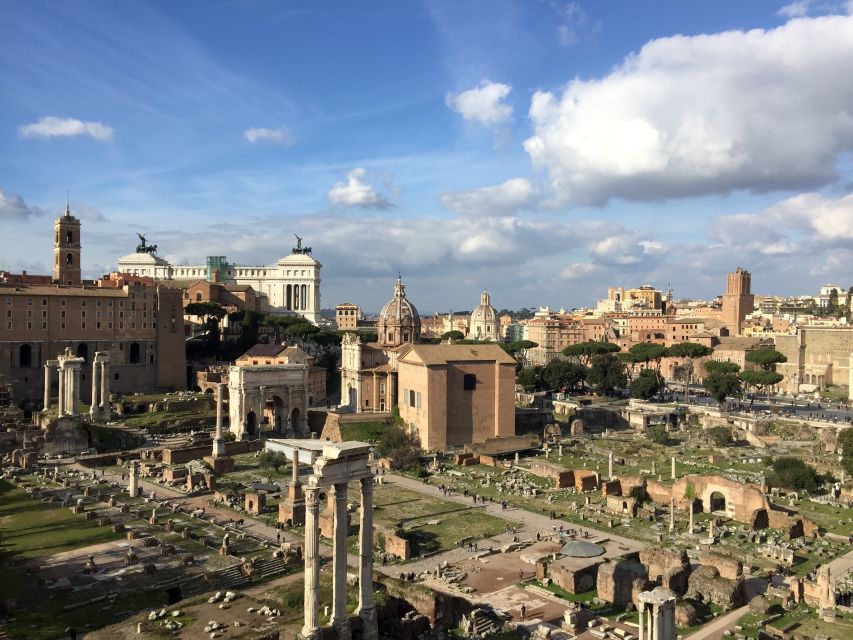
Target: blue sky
point(541, 149)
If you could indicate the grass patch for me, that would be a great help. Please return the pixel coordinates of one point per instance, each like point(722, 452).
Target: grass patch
point(363, 431)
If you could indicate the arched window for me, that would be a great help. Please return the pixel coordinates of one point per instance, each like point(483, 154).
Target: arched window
point(133, 356)
point(198, 297)
point(69, 236)
point(69, 260)
point(25, 356)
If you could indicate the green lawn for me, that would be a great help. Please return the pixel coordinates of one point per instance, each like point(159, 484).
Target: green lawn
point(363, 431)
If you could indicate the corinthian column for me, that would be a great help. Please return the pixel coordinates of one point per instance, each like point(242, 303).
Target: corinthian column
point(339, 620)
point(60, 396)
point(96, 371)
point(366, 610)
point(46, 387)
point(310, 629)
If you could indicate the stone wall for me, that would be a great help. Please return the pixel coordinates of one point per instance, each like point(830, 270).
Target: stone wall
point(443, 610)
point(561, 476)
point(186, 454)
point(728, 568)
point(391, 543)
point(618, 581)
point(574, 580)
point(705, 583)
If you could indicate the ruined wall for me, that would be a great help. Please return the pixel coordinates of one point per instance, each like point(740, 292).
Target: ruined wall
point(443, 610)
point(562, 477)
point(574, 580)
point(618, 581)
point(705, 583)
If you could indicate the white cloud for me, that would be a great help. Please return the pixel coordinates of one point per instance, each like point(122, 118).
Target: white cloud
point(574, 22)
point(796, 9)
point(13, 207)
point(356, 192)
point(506, 198)
point(578, 270)
point(281, 136)
point(51, 127)
point(482, 104)
point(691, 115)
point(625, 249)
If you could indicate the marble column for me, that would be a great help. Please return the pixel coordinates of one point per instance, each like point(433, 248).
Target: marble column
point(673, 467)
point(655, 622)
point(366, 610)
point(610, 466)
point(650, 622)
point(690, 526)
point(133, 481)
point(261, 391)
point(218, 441)
point(671, 515)
point(96, 383)
point(339, 619)
point(60, 396)
point(75, 391)
point(641, 608)
point(46, 387)
point(105, 388)
point(310, 628)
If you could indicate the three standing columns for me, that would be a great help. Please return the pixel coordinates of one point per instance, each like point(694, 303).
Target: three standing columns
point(366, 609)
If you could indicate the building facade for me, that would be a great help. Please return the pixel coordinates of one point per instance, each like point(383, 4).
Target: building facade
point(137, 321)
point(291, 285)
point(455, 394)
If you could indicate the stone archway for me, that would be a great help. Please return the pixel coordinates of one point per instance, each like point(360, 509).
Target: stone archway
point(251, 423)
point(717, 502)
point(275, 412)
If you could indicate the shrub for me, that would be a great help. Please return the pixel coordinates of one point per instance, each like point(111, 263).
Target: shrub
point(403, 448)
point(720, 436)
point(657, 433)
point(793, 473)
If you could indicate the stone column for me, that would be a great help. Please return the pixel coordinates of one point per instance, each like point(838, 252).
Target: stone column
point(366, 610)
point(641, 608)
point(105, 387)
point(655, 622)
point(339, 619)
point(671, 515)
point(46, 387)
point(261, 391)
point(96, 383)
point(610, 466)
point(75, 391)
point(690, 526)
point(310, 629)
point(654, 470)
point(673, 467)
point(60, 396)
point(218, 441)
point(650, 623)
point(133, 480)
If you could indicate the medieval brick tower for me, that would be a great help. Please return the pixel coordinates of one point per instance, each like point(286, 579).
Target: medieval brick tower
point(66, 249)
point(738, 302)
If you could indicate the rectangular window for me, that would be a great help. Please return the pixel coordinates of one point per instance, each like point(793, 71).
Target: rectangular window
point(97, 303)
point(29, 302)
point(62, 326)
point(9, 325)
point(29, 313)
point(83, 314)
point(83, 303)
point(44, 302)
point(82, 325)
point(44, 314)
point(62, 313)
point(44, 326)
point(412, 400)
point(109, 325)
point(29, 326)
point(8, 313)
point(8, 301)
point(97, 325)
point(469, 382)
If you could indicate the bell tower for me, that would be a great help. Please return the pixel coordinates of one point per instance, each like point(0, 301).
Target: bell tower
point(66, 249)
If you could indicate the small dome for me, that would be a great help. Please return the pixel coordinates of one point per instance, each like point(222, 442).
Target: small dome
point(581, 549)
point(298, 258)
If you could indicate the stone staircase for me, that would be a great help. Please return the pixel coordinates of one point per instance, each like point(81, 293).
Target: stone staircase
point(270, 568)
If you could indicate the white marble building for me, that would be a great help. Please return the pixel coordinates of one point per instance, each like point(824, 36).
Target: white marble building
point(291, 285)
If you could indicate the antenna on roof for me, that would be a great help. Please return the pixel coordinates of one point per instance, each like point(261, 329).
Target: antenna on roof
point(67, 202)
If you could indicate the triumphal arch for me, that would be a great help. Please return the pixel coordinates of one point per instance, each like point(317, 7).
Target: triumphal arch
point(271, 398)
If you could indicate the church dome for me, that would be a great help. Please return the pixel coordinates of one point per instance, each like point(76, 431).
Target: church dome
point(484, 320)
point(399, 322)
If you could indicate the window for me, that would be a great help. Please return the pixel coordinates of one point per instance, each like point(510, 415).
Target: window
point(134, 357)
point(29, 302)
point(44, 302)
point(44, 314)
point(469, 382)
point(82, 303)
point(418, 399)
point(412, 399)
point(44, 326)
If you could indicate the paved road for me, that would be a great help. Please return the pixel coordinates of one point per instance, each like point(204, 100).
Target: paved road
point(714, 630)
